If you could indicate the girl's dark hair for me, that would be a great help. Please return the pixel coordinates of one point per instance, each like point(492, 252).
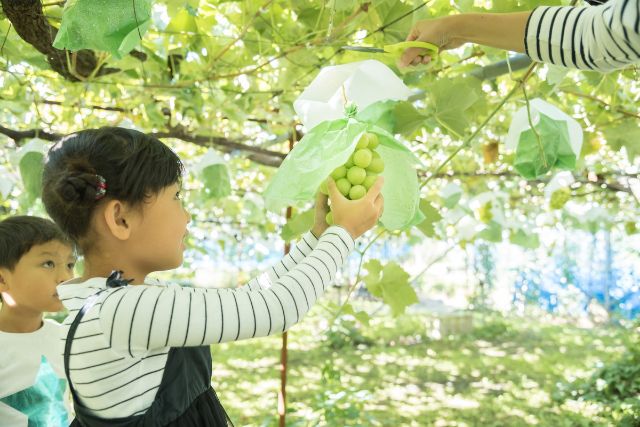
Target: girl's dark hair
point(131, 165)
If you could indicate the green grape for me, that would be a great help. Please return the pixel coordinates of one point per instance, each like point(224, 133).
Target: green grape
point(329, 218)
point(349, 163)
point(323, 188)
point(559, 198)
point(357, 192)
point(344, 186)
point(376, 166)
point(375, 154)
point(373, 141)
point(339, 172)
point(362, 158)
point(363, 142)
point(369, 180)
point(356, 175)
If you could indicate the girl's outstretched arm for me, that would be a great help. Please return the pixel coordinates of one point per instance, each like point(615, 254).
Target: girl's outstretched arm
point(138, 319)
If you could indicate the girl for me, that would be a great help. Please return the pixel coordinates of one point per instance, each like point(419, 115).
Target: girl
point(137, 354)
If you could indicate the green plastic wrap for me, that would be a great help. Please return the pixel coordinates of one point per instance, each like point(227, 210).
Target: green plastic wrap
point(113, 26)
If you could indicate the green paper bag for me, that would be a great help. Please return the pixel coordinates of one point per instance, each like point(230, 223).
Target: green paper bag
point(558, 147)
point(113, 26)
point(535, 157)
point(213, 172)
point(329, 145)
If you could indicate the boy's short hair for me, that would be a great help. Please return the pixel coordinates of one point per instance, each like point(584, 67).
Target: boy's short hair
point(18, 234)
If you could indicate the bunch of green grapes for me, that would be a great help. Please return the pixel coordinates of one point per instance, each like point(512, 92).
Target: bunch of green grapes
point(359, 173)
point(559, 198)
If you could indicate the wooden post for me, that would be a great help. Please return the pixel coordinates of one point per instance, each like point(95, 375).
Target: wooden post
point(282, 394)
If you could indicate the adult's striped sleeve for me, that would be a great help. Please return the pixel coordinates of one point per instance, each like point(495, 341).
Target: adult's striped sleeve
point(603, 38)
point(138, 319)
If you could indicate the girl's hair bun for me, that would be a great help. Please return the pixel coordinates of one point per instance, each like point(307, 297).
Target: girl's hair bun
point(79, 188)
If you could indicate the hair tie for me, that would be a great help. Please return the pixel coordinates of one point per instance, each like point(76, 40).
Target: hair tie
point(101, 189)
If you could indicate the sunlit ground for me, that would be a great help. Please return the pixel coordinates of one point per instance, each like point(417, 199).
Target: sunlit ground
point(503, 374)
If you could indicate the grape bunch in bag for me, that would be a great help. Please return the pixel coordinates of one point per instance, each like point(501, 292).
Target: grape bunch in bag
point(359, 173)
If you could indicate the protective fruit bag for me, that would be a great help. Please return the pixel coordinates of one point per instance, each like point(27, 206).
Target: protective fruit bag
point(346, 109)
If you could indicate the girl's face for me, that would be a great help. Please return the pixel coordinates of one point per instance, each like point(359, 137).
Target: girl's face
point(157, 240)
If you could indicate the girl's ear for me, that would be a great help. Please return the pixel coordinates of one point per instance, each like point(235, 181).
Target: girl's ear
point(118, 219)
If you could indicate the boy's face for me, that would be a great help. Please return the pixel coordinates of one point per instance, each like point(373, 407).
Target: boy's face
point(31, 285)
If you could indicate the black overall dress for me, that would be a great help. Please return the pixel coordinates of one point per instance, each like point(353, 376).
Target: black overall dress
point(185, 397)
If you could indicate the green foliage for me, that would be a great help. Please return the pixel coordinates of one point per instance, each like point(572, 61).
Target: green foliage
point(431, 215)
point(344, 331)
point(31, 166)
point(616, 384)
point(297, 225)
point(522, 238)
point(391, 284)
point(115, 26)
point(451, 100)
point(337, 405)
point(502, 374)
point(624, 135)
point(222, 70)
point(559, 198)
point(217, 181)
point(223, 74)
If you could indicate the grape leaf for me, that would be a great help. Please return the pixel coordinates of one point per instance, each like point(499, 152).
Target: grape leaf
point(451, 195)
point(297, 225)
point(521, 238)
point(31, 166)
point(115, 26)
point(626, 134)
point(431, 216)
point(391, 284)
point(184, 21)
point(360, 316)
point(217, 181)
point(407, 118)
point(493, 232)
point(451, 98)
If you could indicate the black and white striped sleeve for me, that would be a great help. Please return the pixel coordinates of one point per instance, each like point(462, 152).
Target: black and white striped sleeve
point(138, 319)
point(603, 38)
point(282, 267)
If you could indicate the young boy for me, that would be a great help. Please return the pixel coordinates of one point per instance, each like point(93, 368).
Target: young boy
point(34, 258)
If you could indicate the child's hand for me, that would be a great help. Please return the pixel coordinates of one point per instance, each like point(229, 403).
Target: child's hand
point(322, 209)
point(357, 216)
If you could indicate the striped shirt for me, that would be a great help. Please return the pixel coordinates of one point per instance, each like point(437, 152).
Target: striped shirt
point(605, 37)
point(121, 345)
